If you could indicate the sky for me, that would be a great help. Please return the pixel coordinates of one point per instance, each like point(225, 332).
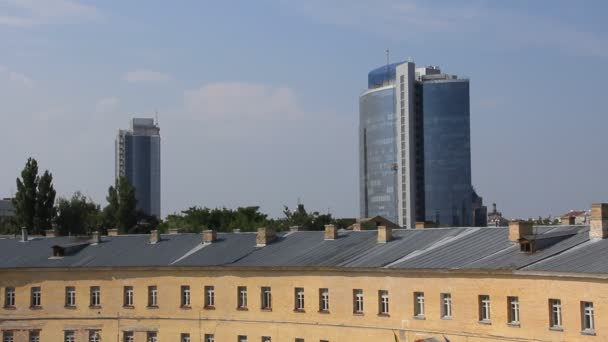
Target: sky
point(258, 100)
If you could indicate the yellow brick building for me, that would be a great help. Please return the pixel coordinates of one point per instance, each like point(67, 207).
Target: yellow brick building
point(519, 283)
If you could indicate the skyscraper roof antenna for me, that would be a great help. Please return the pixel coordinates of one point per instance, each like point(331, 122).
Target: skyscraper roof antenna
point(387, 57)
point(156, 116)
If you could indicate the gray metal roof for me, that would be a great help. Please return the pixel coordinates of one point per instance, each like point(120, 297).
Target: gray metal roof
point(564, 249)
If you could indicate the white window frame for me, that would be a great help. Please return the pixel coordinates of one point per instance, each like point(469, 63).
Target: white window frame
point(555, 306)
point(242, 297)
point(95, 296)
point(185, 296)
point(8, 336)
point(266, 339)
point(513, 310)
point(419, 304)
point(152, 296)
point(266, 298)
point(129, 295)
point(9, 297)
point(383, 307)
point(34, 336)
point(69, 336)
point(588, 316)
point(484, 308)
point(128, 336)
point(209, 338)
point(242, 338)
point(299, 298)
point(185, 338)
point(70, 296)
point(324, 300)
point(446, 306)
point(36, 300)
point(94, 336)
point(358, 301)
point(209, 296)
point(151, 337)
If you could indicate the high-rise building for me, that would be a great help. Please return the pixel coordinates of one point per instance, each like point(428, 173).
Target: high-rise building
point(414, 146)
point(138, 159)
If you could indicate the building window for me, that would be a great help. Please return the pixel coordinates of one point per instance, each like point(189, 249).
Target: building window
point(299, 340)
point(299, 299)
point(484, 308)
point(358, 301)
point(95, 296)
point(152, 296)
point(242, 338)
point(555, 307)
point(128, 336)
point(513, 310)
point(69, 336)
point(242, 297)
point(446, 306)
point(588, 320)
point(324, 300)
point(209, 296)
point(209, 338)
point(7, 336)
point(36, 300)
point(419, 304)
point(266, 298)
point(70, 296)
point(9, 297)
point(185, 296)
point(383, 302)
point(185, 338)
point(151, 337)
point(94, 336)
point(34, 336)
point(128, 296)
point(266, 339)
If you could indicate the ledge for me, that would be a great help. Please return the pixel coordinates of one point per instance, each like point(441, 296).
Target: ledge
point(299, 310)
point(485, 322)
point(35, 307)
point(94, 306)
point(70, 307)
point(384, 315)
point(130, 307)
point(324, 312)
point(185, 307)
point(244, 308)
point(446, 318)
point(356, 313)
point(514, 325)
point(10, 307)
point(588, 332)
point(266, 309)
point(420, 317)
point(556, 328)
point(209, 307)
point(152, 307)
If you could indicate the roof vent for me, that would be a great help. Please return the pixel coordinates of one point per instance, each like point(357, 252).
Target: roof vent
point(385, 234)
point(209, 236)
point(296, 228)
point(265, 236)
point(173, 231)
point(519, 228)
point(112, 232)
point(49, 233)
point(599, 221)
point(154, 237)
point(331, 232)
point(96, 238)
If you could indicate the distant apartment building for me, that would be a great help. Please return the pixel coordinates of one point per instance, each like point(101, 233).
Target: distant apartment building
point(414, 147)
point(138, 159)
point(7, 209)
point(576, 217)
point(495, 218)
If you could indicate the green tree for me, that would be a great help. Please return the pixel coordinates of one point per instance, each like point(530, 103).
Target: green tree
point(126, 215)
point(300, 217)
point(25, 198)
point(77, 215)
point(45, 203)
point(109, 215)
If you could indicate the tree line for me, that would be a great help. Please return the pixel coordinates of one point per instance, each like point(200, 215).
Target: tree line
point(38, 210)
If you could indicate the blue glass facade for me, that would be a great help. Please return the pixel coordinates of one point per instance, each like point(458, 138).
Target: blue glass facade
point(382, 75)
point(447, 152)
point(378, 155)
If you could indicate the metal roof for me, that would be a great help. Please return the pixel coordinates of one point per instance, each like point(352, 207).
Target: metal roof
point(565, 249)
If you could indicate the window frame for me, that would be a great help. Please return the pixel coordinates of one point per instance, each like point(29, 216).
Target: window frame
point(266, 298)
point(209, 293)
point(383, 303)
point(587, 311)
point(484, 305)
point(324, 300)
point(299, 299)
point(70, 296)
point(184, 337)
point(9, 297)
point(185, 296)
point(95, 297)
point(6, 334)
point(128, 336)
point(69, 336)
point(358, 301)
point(152, 296)
point(555, 314)
point(94, 336)
point(241, 297)
point(128, 296)
point(446, 305)
point(419, 309)
point(513, 314)
point(36, 297)
point(34, 336)
point(209, 338)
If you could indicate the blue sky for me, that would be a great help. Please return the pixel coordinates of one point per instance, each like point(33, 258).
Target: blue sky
point(258, 100)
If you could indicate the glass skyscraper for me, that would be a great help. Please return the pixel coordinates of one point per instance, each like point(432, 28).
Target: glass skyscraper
point(414, 146)
point(138, 159)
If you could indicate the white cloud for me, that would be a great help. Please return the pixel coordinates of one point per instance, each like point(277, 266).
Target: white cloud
point(414, 19)
point(27, 13)
point(242, 101)
point(107, 104)
point(146, 76)
point(20, 78)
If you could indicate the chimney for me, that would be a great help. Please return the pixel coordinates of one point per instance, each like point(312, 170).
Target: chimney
point(96, 238)
point(296, 229)
point(519, 228)
point(385, 234)
point(265, 236)
point(154, 236)
point(112, 232)
point(173, 231)
point(209, 236)
point(49, 233)
point(599, 221)
point(425, 224)
point(23, 234)
point(331, 232)
point(357, 227)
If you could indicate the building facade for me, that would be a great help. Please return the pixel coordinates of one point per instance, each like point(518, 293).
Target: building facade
point(7, 208)
point(414, 146)
point(138, 159)
point(516, 283)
